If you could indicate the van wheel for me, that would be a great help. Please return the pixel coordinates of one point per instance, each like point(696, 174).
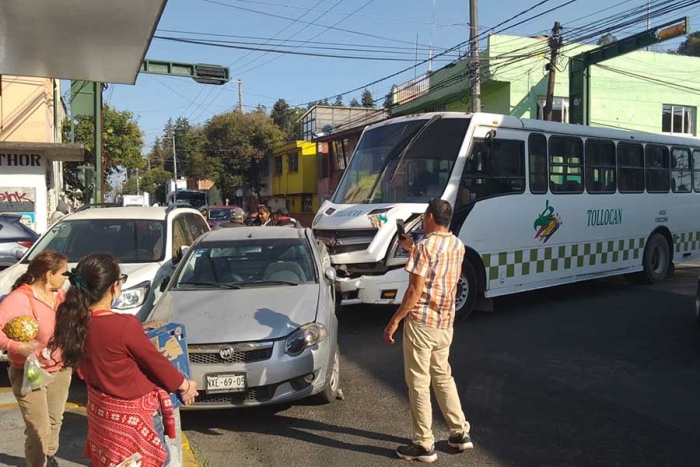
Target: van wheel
point(466, 292)
point(332, 390)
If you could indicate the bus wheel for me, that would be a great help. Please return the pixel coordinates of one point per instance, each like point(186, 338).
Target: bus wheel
point(657, 259)
point(466, 292)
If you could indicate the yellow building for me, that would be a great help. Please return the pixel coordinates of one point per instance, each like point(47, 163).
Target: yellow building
point(293, 177)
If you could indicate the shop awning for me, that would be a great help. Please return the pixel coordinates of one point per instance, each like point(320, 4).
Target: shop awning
point(19, 152)
point(89, 40)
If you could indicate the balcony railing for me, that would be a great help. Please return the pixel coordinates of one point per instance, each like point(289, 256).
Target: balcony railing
point(411, 90)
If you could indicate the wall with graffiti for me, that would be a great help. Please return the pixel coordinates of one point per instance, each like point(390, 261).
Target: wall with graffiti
point(20, 200)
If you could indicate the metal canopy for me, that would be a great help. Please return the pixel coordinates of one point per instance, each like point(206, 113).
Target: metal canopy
point(90, 40)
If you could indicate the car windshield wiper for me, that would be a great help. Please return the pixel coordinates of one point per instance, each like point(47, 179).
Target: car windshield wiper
point(270, 282)
point(223, 285)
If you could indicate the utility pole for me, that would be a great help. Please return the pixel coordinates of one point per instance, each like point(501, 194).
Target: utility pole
point(554, 43)
point(240, 95)
point(432, 40)
point(474, 46)
point(138, 185)
point(648, 19)
point(174, 162)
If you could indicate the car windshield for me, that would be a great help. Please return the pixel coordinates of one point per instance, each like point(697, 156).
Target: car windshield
point(128, 240)
point(248, 263)
point(390, 166)
point(219, 214)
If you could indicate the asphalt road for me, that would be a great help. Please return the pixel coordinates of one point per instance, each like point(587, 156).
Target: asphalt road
point(595, 374)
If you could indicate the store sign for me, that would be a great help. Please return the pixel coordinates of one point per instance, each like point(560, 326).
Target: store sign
point(20, 160)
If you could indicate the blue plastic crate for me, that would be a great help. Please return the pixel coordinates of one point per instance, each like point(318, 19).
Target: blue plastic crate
point(171, 340)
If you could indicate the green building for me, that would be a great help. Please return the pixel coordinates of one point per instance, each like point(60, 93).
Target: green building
point(643, 91)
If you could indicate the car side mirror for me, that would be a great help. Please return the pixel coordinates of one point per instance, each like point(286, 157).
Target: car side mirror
point(331, 275)
point(180, 254)
point(164, 284)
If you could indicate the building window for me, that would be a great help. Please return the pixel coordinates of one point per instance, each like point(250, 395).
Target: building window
point(560, 109)
point(630, 160)
point(307, 203)
point(265, 167)
point(278, 165)
point(339, 150)
point(681, 176)
point(538, 163)
point(293, 162)
point(658, 179)
point(565, 165)
point(678, 119)
point(600, 166)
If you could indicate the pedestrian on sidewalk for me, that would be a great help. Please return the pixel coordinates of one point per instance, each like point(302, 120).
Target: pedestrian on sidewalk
point(128, 379)
point(264, 216)
point(428, 307)
point(38, 293)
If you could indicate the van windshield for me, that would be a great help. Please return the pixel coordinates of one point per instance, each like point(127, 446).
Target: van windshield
point(383, 171)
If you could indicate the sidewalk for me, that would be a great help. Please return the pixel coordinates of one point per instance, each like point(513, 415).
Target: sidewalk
point(73, 431)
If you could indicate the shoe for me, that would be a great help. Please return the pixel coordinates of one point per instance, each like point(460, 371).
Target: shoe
point(51, 461)
point(413, 452)
point(461, 441)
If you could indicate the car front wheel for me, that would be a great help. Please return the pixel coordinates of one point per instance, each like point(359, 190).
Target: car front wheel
point(332, 390)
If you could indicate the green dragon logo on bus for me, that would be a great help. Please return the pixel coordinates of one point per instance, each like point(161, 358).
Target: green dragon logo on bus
point(547, 223)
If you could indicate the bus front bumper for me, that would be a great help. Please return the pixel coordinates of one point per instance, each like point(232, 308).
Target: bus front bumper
point(386, 289)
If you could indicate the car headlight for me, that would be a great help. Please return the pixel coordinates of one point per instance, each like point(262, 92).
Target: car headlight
point(133, 297)
point(306, 336)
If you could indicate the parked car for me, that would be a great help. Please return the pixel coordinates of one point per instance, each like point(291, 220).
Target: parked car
point(258, 310)
point(15, 239)
point(217, 215)
point(148, 242)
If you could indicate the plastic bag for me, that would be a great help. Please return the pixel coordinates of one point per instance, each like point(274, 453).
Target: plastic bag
point(35, 376)
point(132, 461)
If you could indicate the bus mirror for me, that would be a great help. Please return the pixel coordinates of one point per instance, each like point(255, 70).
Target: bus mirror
point(488, 139)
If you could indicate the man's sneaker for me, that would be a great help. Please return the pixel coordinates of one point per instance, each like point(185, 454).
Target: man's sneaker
point(461, 441)
point(51, 461)
point(413, 452)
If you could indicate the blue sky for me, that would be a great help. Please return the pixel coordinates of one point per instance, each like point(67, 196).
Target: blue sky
point(300, 79)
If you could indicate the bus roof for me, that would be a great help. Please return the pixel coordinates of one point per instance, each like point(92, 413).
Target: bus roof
point(506, 121)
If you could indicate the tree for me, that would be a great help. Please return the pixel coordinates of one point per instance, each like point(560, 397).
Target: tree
point(324, 102)
point(286, 119)
point(388, 100)
point(153, 182)
point(606, 39)
point(240, 142)
point(367, 99)
point(354, 103)
point(338, 101)
point(122, 141)
point(130, 186)
point(691, 45)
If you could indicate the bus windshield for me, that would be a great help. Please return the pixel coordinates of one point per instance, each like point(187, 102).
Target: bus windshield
point(390, 166)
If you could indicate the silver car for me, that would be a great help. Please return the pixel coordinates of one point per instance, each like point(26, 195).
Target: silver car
point(258, 309)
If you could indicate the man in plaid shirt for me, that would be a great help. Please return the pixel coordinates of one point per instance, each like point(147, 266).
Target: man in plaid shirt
point(434, 265)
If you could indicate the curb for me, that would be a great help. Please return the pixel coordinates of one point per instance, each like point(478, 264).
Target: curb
point(188, 458)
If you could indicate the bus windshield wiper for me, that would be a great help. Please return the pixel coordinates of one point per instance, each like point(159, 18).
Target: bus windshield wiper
point(223, 285)
point(401, 157)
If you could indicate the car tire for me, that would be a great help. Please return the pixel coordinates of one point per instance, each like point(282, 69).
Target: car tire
point(466, 292)
point(332, 390)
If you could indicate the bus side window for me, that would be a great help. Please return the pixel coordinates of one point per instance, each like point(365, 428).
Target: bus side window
point(681, 176)
point(493, 171)
point(565, 165)
point(657, 169)
point(537, 149)
point(600, 166)
point(696, 170)
point(630, 160)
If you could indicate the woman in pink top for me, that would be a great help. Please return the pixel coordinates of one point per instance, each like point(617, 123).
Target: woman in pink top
point(37, 293)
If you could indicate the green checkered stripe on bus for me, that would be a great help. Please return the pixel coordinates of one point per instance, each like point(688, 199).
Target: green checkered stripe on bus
point(686, 242)
point(562, 258)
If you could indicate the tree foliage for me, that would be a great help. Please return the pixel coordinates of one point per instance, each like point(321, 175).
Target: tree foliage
point(355, 103)
point(691, 45)
point(239, 142)
point(607, 38)
point(367, 99)
point(122, 144)
point(286, 117)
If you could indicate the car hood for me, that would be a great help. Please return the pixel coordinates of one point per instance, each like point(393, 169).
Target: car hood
point(251, 314)
point(137, 272)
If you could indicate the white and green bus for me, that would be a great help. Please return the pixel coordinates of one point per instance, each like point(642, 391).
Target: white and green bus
point(536, 203)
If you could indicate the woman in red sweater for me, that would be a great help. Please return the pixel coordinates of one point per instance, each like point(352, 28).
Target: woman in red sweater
point(128, 379)
point(37, 293)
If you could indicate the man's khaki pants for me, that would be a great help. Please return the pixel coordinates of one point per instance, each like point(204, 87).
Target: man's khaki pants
point(425, 352)
point(42, 411)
